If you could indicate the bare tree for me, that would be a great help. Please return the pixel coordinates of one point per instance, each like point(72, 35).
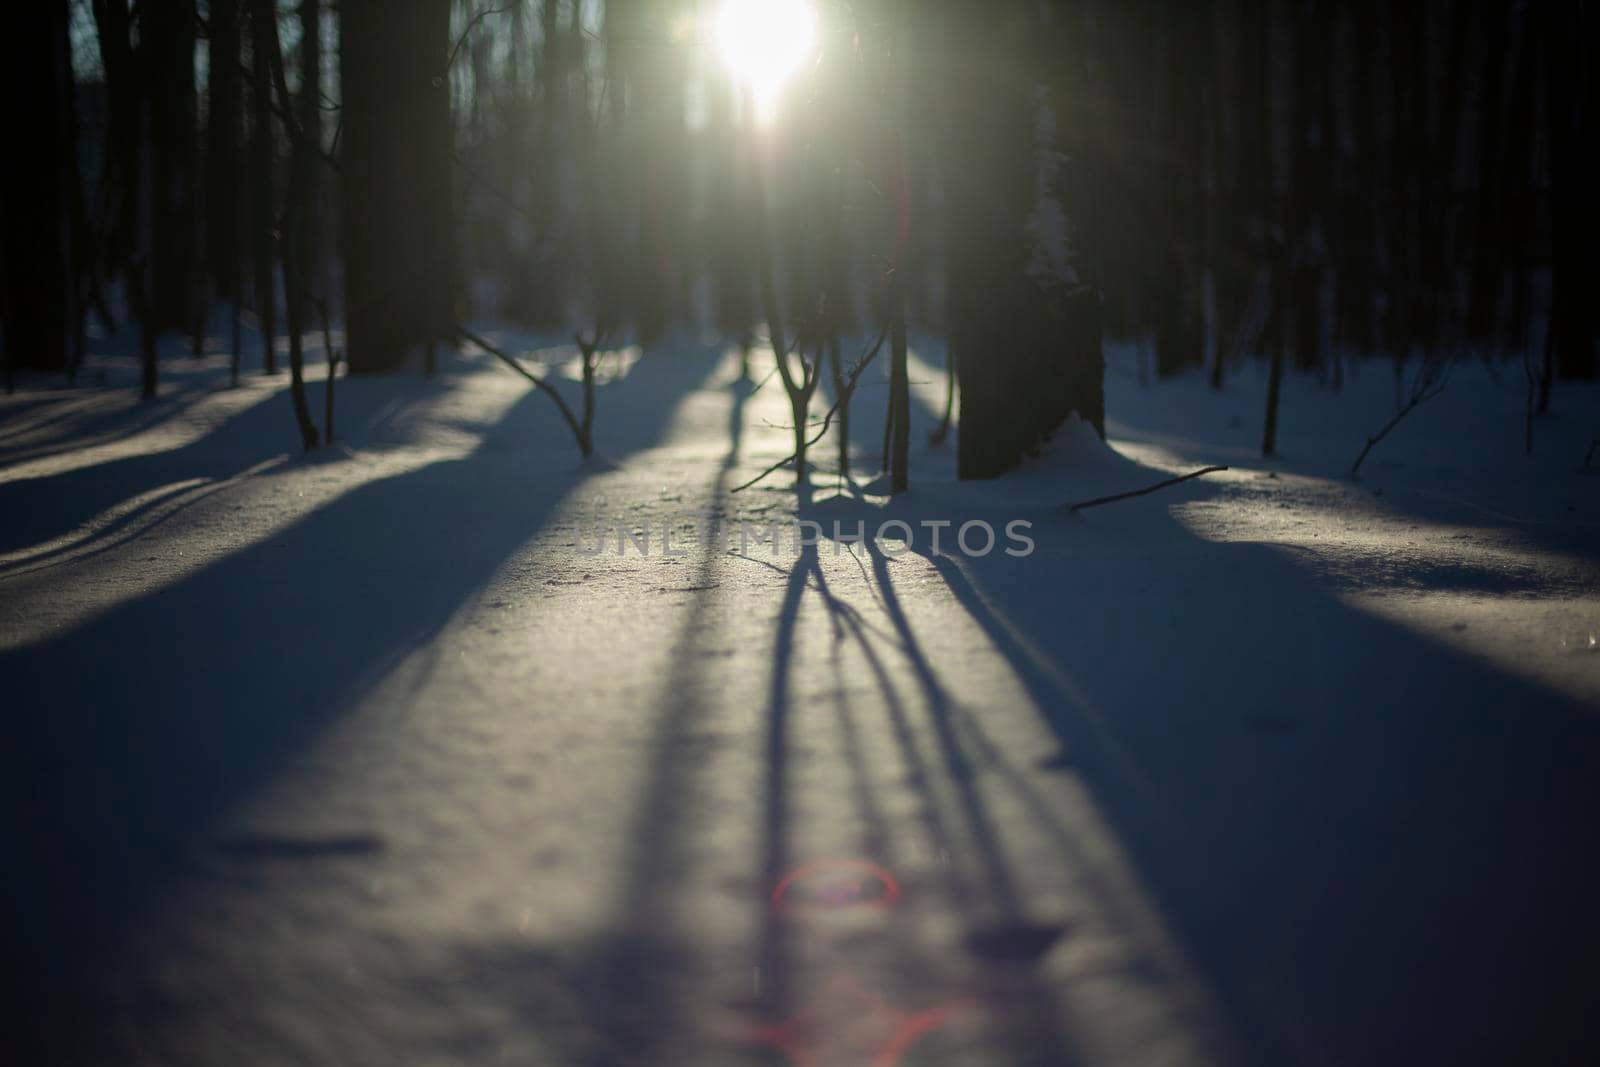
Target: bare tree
point(263, 220)
point(1428, 382)
point(292, 226)
point(1027, 345)
point(223, 127)
point(394, 179)
point(35, 187)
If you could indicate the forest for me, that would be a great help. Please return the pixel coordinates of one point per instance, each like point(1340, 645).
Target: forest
point(1304, 184)
point(811, 532)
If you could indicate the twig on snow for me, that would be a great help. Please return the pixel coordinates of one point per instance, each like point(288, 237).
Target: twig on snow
point(1097, 501)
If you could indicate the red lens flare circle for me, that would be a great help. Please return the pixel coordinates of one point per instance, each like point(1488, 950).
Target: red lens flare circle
point(834, 885)
point(849, 1025)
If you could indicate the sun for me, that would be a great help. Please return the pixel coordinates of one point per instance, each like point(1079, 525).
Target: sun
point(764, 42)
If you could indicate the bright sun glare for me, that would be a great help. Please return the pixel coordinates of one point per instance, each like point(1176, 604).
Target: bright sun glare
point(764, 42)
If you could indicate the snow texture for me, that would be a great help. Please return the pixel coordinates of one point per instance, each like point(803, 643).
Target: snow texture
point(359, 759)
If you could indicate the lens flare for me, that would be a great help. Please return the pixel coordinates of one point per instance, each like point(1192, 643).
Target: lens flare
point(764, 42)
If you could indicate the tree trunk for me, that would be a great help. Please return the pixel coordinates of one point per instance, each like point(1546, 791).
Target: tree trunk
point(394, 179)
point(899, 388)
point(34, 186)
point(264, 223)
point(841, 418)
point(1029, 347)
point(166, 50)
point(1490, 244)
point(294, 227)
point(1438, 261)
point(310, 210)
point(1517, 194)
point(1357, 262)
point(123, 180)
point(223, 140)
point(1574, 215)
point(1269, 434)
point(1180, 327)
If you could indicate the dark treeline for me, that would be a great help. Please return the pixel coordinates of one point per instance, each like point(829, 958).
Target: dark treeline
point(1318, 180)
point(1293, 180)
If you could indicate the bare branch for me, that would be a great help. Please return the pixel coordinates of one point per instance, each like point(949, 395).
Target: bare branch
point(471, 25)
point(1097, 501)
point(1430, 382)
point(549, 390)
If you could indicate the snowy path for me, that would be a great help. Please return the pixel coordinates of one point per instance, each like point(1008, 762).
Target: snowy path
point(362, 760)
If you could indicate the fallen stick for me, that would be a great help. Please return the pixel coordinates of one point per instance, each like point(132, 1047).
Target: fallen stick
point(1097, 501)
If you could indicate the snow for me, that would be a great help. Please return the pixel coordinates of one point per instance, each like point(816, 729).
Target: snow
point(357, 758)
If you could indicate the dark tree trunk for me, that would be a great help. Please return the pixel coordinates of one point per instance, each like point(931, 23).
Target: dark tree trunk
point(659, 174)
point(1574, 213)
point(5, 319)
point(1310, 169)
point(731, 238)
point(1269, 433)
point(35, 186)
point(394, 179)
point(294, 226)
point(1029, 353)
point(223, 126)
point(310, 205)
point(899, 389)
point(124, 95)
point(81, 264)
point(1242, 248)
point(308, 154)
point(1490, 242)
point(1439, 268)
point(263, 218)
point(1408, 85)
point(1516, 193)
point(1357, 248)
point(841, 419)
point(166, 49)
point(1180, 333)
point(1272, 225)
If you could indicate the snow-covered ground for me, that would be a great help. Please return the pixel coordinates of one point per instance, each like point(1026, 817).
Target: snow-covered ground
point(360, 758)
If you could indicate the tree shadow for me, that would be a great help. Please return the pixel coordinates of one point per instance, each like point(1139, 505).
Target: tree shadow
point(639, 962)
point(617, 998)
point(1374, 847)
point(40, 509)
point(133, 733)
point(136, 517)
point(83, 418)
point(1002, 939)
point(623, 996)
point(1371, 845)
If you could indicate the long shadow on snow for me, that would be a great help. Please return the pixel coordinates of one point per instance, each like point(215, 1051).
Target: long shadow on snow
point(1376, 848)
point(1452, 492)
point(625, 984)
point(131, 734)
point(39, 509)
point(1001, 934)
point(640, 961)
point(32, 428)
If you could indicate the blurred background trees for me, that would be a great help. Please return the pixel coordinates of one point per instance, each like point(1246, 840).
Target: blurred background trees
point(1294, 181)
